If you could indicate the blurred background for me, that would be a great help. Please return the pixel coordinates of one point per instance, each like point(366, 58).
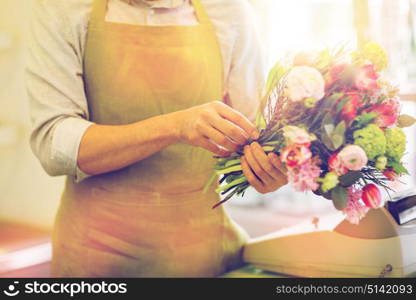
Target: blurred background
point(29, 197)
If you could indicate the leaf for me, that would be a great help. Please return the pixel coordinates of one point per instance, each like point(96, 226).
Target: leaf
point(342, 103)
point(329, 129)
point(406, 121)
point(328, 142)
point(334, 137)
point(398, 167)
point(337, 140)
point(338, 136)
point(275, 74)
point(350, 178)
point(365, 119)
point(260, 121)
point(328, 120)
point(339, 197)
point(336, 97)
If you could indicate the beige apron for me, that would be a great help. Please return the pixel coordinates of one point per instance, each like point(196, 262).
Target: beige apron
point(150, 219)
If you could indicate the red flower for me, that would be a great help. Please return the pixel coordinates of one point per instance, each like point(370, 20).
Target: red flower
point(366, 78)
point(371, 196)
point(349, 110)
point(335, 74)
point(336, 165)
point(387, 112)
point(337, 70)
point(390, 174)
point(386, 116)
point(295, 155)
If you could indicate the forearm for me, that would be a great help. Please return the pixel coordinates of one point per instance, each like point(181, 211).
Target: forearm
point(105, 148)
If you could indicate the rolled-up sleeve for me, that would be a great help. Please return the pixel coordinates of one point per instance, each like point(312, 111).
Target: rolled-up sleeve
point(246, 77)
point(59, 110)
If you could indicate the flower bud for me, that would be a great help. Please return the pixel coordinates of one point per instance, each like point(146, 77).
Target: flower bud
point(381, 162)
point(372, 196)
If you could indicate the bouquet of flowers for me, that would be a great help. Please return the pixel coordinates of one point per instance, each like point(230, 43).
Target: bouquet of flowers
point(336, 125)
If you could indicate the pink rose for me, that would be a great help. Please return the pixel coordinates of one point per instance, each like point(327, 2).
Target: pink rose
point(366, 78)
point(353, 158)
point(297, 135)
point(295, 155)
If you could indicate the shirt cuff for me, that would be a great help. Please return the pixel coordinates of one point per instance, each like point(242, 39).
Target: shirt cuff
point(65, 145)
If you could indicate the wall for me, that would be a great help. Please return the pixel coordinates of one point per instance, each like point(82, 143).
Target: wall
point(27, 195)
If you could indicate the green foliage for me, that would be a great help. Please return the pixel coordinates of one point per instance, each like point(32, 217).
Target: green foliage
point(275, 75)
point(371, 138)
point(396, 143)
point(365, 119)
point(398, 167)
point(339, 197)
point(334, 136)
point(406, 121)
point(350, 178)
point(342, 103)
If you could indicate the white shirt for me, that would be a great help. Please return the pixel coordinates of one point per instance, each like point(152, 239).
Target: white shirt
point(55, 86)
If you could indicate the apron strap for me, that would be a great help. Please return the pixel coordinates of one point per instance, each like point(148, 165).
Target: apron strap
point(200, 12)
point(98, 12)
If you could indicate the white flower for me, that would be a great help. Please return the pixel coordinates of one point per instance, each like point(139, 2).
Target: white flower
point(305, 82)
point(297, 135)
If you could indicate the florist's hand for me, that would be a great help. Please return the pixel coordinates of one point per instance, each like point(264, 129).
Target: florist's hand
point(264, 172)
point(216, 127)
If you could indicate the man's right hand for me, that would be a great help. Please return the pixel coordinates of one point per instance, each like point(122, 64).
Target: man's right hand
point(214, 126)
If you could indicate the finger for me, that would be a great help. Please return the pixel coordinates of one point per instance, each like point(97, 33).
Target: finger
point(208, 145)
point(218, 138)
point(277, 163)
point(263, 160)
point(255, 166)
point(230, 130)
point(250, 176)
point(238, 119)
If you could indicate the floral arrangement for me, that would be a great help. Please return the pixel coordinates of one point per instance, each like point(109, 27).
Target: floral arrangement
point(336, 125)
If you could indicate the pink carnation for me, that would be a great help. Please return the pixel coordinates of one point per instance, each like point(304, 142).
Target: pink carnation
point(356, 209)
point(303, 177)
